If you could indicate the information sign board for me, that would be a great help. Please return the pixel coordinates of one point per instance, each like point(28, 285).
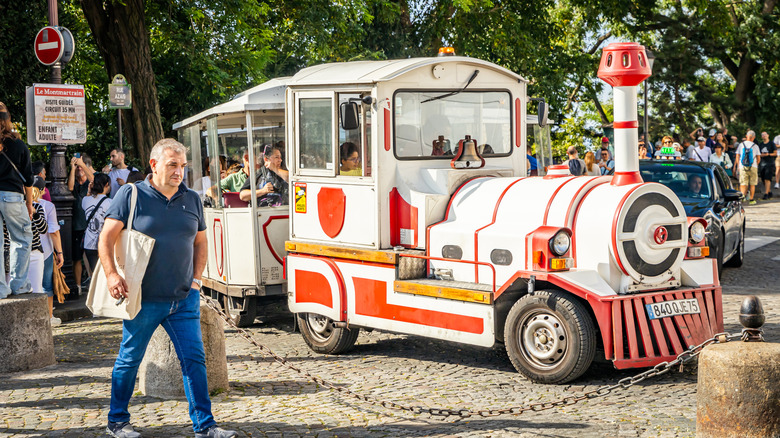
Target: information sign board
point(59, 114)
point(120, 94)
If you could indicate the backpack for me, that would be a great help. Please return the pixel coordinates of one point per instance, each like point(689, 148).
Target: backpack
point(747, 156)
point(575, 167)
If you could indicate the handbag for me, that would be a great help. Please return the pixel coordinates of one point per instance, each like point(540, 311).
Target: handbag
point(131, 252)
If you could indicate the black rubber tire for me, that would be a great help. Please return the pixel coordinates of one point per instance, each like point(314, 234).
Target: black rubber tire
point(320, 335)
point(717, 253)
point(736, 260)
point(241, 310)
point(573, 346)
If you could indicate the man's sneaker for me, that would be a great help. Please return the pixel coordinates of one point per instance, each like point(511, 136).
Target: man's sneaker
point(215, 432)
point(777, 185)
point(55, 321)
point(122, 430)
point(752, 201)
point(765, 197)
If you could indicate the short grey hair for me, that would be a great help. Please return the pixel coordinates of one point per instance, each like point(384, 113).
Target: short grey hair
point(751, 134)
point(167, 144)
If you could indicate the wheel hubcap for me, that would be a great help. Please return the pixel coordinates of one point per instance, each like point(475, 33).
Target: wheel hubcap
point(543, 339)
point(321, 327)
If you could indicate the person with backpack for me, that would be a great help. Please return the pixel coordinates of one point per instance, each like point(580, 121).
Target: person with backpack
point(95, 207)
point(576, 166)
point(748, 157)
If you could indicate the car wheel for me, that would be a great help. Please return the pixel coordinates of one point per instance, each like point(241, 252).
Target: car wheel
point(717, 252)
point(550, 337)
point(322, 337)
point(736, 260)
point(241, 310)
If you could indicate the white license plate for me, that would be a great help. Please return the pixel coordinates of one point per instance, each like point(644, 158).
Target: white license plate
point(665, 309)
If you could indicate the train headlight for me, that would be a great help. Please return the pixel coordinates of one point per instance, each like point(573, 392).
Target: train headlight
point(696, 232)
point(560, 244)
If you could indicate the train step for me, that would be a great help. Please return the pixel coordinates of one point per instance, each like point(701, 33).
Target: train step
point(449, 289)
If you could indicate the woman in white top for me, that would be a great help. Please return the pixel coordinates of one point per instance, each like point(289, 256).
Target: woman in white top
point(720, 158)
point(591, 168)
point(95, 206)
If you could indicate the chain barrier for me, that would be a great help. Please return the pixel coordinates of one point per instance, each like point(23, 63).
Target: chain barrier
point(625, 383)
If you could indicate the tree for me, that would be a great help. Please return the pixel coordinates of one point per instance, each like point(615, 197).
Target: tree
point(122, 37)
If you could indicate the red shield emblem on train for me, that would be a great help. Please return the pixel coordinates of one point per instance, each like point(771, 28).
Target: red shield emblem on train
point(331, 206)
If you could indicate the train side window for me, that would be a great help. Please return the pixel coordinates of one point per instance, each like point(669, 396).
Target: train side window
point(354, 147)
point(315, 132)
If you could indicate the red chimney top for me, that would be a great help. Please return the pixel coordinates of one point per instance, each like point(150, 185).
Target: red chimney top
point(624, 64)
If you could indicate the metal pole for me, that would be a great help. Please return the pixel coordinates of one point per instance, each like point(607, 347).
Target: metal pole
point(119, 111)
point(60, 195)
point(647, 137)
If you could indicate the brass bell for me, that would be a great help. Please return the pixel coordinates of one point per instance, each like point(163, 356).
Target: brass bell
point(467, 156)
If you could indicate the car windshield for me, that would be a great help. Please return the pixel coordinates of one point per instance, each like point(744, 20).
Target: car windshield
point(429, 124)
point(688, 182)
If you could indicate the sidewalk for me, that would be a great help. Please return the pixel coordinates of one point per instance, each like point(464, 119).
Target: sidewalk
point(72, 309)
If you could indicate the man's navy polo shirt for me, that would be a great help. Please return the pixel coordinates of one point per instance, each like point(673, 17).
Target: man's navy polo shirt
point(173, 224)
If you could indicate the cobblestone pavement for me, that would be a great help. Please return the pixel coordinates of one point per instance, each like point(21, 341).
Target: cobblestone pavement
point(71, 398)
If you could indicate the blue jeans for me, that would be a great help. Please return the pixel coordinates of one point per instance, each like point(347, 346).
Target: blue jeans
point(181, 319)
point(13, 213)
point(48, 275)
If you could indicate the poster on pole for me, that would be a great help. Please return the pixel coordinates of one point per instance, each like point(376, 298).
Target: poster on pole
point(59, 114)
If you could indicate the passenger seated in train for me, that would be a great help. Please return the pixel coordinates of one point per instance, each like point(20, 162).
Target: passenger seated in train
point(349, 157)
point(271, 183)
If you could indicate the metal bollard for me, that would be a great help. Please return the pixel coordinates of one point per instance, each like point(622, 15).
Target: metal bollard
point(738, 391)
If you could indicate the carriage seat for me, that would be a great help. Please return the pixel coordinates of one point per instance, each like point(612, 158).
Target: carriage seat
point(233, 201)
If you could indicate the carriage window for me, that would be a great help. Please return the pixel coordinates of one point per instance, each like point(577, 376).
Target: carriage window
point(430, 123)
point(354, 147)
point(315, 134)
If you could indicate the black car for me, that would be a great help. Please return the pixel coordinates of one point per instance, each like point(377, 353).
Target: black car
point(706, 191)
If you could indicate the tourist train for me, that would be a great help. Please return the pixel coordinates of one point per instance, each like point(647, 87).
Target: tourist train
point(439, 231)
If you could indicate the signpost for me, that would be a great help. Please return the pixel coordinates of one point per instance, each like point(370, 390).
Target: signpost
point(120, 96)
point(54, 44)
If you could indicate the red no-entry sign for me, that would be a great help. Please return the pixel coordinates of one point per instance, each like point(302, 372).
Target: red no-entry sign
point(49, 45)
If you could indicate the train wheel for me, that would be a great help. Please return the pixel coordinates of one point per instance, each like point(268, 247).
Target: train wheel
point(241, 310)
point(321, 336)
point(550, 337)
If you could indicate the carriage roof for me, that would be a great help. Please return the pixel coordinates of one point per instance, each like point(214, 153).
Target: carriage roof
point(266, 96)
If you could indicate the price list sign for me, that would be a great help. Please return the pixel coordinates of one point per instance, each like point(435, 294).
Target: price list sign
point(60, 114)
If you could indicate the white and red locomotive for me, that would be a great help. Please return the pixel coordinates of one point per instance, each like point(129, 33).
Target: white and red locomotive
point(435, 230)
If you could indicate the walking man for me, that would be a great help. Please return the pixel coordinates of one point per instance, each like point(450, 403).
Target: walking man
point(748, 157)
point(172, 214)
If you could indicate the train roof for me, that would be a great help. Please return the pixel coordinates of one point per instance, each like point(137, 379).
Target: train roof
point(370, 72)
point(266, 96)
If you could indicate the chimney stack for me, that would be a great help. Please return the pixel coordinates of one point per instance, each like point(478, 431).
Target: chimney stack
point(624, 66)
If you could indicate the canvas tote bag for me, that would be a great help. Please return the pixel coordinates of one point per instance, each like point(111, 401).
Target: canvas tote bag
point(131, 253)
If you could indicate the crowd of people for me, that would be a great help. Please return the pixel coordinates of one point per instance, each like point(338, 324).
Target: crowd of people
point(746, 160)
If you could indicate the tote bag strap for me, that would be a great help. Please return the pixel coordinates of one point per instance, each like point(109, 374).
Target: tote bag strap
point(133, 199)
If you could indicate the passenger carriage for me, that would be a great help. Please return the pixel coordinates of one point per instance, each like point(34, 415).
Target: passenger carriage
point(441, 233)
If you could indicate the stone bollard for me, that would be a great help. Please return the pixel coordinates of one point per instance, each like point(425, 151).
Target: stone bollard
point(26, 342)
point(160, 371)
point(738, 391)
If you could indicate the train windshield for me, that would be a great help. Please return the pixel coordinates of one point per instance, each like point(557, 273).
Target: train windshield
point(429, 124)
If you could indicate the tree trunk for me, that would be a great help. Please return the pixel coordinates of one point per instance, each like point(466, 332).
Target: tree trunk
point(123, 40)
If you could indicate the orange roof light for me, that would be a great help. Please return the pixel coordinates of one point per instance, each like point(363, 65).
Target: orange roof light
point(446, 51)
